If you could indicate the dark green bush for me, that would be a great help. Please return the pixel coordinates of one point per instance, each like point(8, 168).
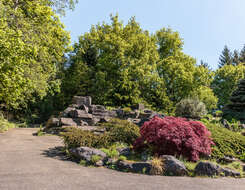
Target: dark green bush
point(121, 131)
point(190, 108)
point(227, 143)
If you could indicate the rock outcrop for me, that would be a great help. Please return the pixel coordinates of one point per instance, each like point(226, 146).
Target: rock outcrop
point(236, 107)
point(83, 114)
point(211, 170)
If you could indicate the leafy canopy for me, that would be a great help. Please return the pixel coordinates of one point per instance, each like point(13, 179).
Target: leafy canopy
point(32, 43)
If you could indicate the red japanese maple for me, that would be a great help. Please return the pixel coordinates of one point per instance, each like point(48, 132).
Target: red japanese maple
point(175, 136)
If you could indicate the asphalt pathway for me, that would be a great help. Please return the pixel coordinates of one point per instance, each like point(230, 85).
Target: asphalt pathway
point(29, 162)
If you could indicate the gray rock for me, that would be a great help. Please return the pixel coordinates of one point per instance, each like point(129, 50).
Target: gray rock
point(85, 108)
point(135, 121)
point(136, 167)
point(173, 166)
point(96, 108)
point(207, 169)
point(53, 122)
point(67, 122)
point(124, 151)
point(86, 153)
point(231, 173)
point(100, 163)
point(82, 100)
point(82, 114)
point(227, 159)
point(67, 112)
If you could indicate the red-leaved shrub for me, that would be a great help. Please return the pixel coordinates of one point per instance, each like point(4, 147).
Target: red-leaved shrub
point(175, 136)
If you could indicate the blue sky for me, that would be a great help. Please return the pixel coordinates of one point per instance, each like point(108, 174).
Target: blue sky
point(205, 25)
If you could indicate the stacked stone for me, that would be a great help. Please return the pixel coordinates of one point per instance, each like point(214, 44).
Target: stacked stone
point(236, 107)
point(82, 114)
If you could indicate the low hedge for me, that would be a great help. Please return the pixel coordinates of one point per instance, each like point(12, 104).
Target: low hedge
point(227, 143)
point(116, 131)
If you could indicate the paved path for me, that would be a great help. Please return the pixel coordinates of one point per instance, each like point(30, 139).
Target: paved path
point(27, 163)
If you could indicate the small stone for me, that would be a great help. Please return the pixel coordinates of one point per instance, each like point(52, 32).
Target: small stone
point(100, 163)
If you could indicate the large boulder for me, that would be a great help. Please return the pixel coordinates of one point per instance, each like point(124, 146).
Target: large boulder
point(82, 100)
point(134, 167)
point(211, 169)
point(173, 166)
point(67, 122)
point(86, 153)
point(67, 112)
point(207, 169)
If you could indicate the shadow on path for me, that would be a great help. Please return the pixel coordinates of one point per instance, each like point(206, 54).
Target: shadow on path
point(57, 152)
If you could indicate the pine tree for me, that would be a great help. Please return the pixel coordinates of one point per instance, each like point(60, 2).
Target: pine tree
point(242, 55)
point(236, 58)
point(225, 57)
point(204, 64)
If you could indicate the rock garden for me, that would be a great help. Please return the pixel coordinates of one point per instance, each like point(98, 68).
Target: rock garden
point(140, 140)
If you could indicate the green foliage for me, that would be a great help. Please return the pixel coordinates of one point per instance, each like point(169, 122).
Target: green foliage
point(180, 74)
point(127, 109)
point(122, 158)
point(226, 57)
point(121, 131)
point(5, 124)
point(32, 43)
point(190, 108)
point(118, 62)
point(227, 143)
point(74, 137)
point(225, 82)
point(111, 152)
point(95, 158)
point(218, 113)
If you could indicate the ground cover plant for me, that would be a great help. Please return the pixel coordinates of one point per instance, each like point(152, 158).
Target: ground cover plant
point(227, 142)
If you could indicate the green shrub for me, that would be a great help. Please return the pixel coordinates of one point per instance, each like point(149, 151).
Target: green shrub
point(218, 113)
point(227, 143)
point(127, 109)
point(74, 137)
point(5, 124)
point(120, 131)
point(190, 108)
point(95, 158)
point(111, 152)
point(117, 130)
point(122, 158)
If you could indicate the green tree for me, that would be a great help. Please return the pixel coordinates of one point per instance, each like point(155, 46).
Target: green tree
point(32, 43)
point(226, 57)
point(182, 77)
point(242, 55)
point(225, 81)
point(235, 58)
point(117, 65)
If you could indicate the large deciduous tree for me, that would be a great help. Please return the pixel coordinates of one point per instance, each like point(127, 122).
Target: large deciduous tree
point(225, 82)
point(32, 43)
point(119, 65)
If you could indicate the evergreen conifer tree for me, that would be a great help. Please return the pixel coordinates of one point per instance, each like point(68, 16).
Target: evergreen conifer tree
point(225, 57)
